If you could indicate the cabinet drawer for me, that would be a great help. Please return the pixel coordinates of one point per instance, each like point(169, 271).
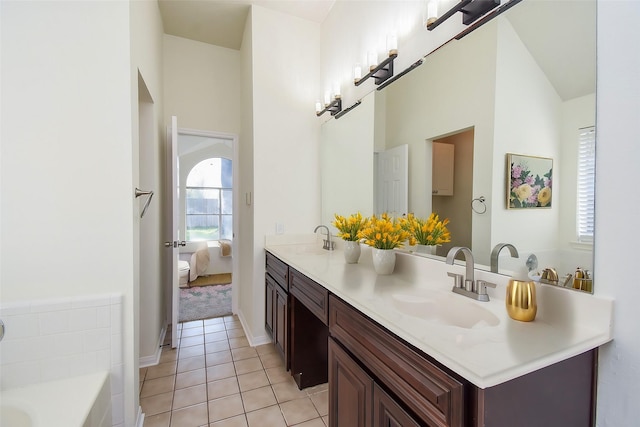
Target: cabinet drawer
point(314, 296)
point(432, 394)
point(278, 270)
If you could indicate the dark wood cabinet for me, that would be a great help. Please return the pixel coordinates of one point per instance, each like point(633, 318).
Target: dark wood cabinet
point(351, 398)
point(388, 413)
point(309, 331)
point(277, 305)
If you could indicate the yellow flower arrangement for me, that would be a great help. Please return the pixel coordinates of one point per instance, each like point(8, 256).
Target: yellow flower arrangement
point(430, 232)
point(384, 232)
point(349, 227)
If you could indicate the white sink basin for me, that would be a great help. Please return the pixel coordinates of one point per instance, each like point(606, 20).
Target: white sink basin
point(445, 309)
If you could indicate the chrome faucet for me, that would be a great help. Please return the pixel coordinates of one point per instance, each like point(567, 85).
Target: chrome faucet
point(467, 286)
point(328, 244)
point(496, 251)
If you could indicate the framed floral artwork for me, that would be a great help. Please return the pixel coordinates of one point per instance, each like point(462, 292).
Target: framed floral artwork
point(529, 180)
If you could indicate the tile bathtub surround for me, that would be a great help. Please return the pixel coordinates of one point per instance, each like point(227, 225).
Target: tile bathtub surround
point(53, 339)
point(215, 379)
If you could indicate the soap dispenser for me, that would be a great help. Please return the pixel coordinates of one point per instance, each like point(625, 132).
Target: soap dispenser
point(521, 297)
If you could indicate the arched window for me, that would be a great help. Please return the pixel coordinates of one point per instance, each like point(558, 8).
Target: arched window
point(209, 203)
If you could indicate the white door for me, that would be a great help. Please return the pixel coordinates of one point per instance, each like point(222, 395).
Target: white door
point(171, 228)
point(393, 177)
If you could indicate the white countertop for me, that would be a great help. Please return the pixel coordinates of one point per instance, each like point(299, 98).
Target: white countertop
point(568, 322)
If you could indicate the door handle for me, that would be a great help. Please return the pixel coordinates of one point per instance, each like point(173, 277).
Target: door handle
point(139, 193)
point(175, 244)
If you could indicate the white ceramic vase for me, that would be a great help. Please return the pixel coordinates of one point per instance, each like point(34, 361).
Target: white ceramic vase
point(384, 260)
point(425, 249)
point(351, 252)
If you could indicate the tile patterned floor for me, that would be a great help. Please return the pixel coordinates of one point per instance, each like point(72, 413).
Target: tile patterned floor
point(214, 379)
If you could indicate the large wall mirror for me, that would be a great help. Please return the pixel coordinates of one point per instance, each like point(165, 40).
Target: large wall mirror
point(513, 86)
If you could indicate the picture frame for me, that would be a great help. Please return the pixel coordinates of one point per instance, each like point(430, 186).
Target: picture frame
point(529, 182)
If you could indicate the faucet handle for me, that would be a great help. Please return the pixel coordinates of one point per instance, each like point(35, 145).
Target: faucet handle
point(457, 279)
point(482, 286)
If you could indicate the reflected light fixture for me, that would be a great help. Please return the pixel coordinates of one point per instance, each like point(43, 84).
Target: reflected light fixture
point(332, 106)
point(431, 12)
point(379, 72)
point(471, 11)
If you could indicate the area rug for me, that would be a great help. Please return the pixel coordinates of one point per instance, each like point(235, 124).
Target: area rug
point(211, 279)
point(204, 302)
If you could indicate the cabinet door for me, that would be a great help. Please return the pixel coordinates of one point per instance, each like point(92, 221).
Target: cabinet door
point(350, 390)
point(269, 293)
point(442, 175)
point(281, 327)
point(388, 413)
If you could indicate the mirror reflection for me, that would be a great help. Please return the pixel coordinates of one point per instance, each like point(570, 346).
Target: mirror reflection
point(448, 127)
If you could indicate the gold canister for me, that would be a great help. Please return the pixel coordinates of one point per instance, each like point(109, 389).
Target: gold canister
point(521, 300)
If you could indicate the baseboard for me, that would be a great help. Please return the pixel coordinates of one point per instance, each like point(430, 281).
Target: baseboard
point(140, 418)
point(253, 341)
point(154, 359)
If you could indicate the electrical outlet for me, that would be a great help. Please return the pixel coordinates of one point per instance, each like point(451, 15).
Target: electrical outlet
point(279, 228)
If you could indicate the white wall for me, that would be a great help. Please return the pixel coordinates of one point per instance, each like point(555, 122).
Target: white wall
point(201, 85)
point(67, 190)
point(147, 132)
point(617, 235)
point(286, 180)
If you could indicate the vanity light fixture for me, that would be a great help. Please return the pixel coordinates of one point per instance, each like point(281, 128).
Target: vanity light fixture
point(431, 12)
point(346, 110)
point(380, 72)
point(333, 107)
point(471, 11)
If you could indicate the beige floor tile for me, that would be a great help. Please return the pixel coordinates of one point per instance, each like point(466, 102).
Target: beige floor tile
point(191, 378)
point(258, 398)
point(219, 358)
point(265, 349)
point(221, 388)
point(215, 336)
point(317, 389)
point(233, 324)
point(218, 372)
point(277, 374)
point(161, 370)
point(252, 380)
point(321, 402)
point(168, 355)
point(248, 365)
point(225, 407)
point(190, 363)
point(325, 419)
point(216, 327)
point(214, 321)
point(237, 421)
point(189, 341)
point(270, 416)
point(271, 360)
point(141, 373)
point(235, 333)
point(288, 390)
point(243, 353)
point(191, 416)
point(316, 422)
point(193, 332)
point(189, 396)
point(191, 324)
point(213, 347)
point(157, 404)
point(238, 342)
point(157, 386)
point(193, 351)
point(297, 411)
point(159, 420)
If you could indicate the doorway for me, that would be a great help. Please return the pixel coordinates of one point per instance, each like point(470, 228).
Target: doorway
point(455, 204)
point(206, 223)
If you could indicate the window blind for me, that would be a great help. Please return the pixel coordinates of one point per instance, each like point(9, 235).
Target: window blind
point(586, 183)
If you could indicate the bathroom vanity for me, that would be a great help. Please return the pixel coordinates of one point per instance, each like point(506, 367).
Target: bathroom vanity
point(403, 350)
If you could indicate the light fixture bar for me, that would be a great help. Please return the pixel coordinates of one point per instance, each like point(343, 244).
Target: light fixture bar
point(406, 70)
point(471, 10)
point(488, 18)
point(334, 107)
point(380, 73)
point(346, 110)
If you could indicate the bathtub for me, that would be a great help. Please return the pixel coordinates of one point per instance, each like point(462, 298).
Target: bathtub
point(83, 401)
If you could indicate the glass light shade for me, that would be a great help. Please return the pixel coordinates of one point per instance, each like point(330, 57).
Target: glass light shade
point(432, 12)
point(372, 59)
point(357, 72)
point(392, 44)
